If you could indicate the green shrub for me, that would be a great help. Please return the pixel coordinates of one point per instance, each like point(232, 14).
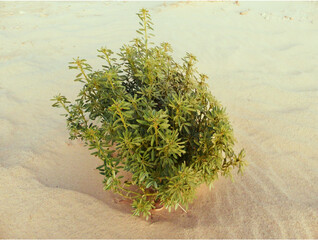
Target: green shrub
point(150, 116)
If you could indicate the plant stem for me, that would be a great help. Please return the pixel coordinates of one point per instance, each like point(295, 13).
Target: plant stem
point(82, 70)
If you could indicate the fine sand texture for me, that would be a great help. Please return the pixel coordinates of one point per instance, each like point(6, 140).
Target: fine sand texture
point(262, 63)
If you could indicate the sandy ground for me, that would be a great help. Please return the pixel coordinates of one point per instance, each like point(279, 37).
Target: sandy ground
point(262, 66)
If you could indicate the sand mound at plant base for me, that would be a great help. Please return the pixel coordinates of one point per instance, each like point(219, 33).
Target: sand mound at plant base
point(262, 67)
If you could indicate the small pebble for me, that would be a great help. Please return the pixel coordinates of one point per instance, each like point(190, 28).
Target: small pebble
point(244, 12)
point(290, 18)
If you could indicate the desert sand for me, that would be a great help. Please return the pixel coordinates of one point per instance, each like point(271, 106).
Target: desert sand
point(261, 59)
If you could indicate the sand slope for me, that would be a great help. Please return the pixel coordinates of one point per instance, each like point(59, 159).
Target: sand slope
point(262, 66)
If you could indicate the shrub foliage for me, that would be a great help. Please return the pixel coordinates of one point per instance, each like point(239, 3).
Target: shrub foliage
point(148, 115)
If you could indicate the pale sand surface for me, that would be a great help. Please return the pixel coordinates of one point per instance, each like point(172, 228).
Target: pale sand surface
point(262, 67)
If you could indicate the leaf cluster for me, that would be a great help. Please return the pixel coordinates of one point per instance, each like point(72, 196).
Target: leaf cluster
point(148, 115)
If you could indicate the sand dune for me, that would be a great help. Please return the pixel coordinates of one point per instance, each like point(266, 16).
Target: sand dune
point(262, 66)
